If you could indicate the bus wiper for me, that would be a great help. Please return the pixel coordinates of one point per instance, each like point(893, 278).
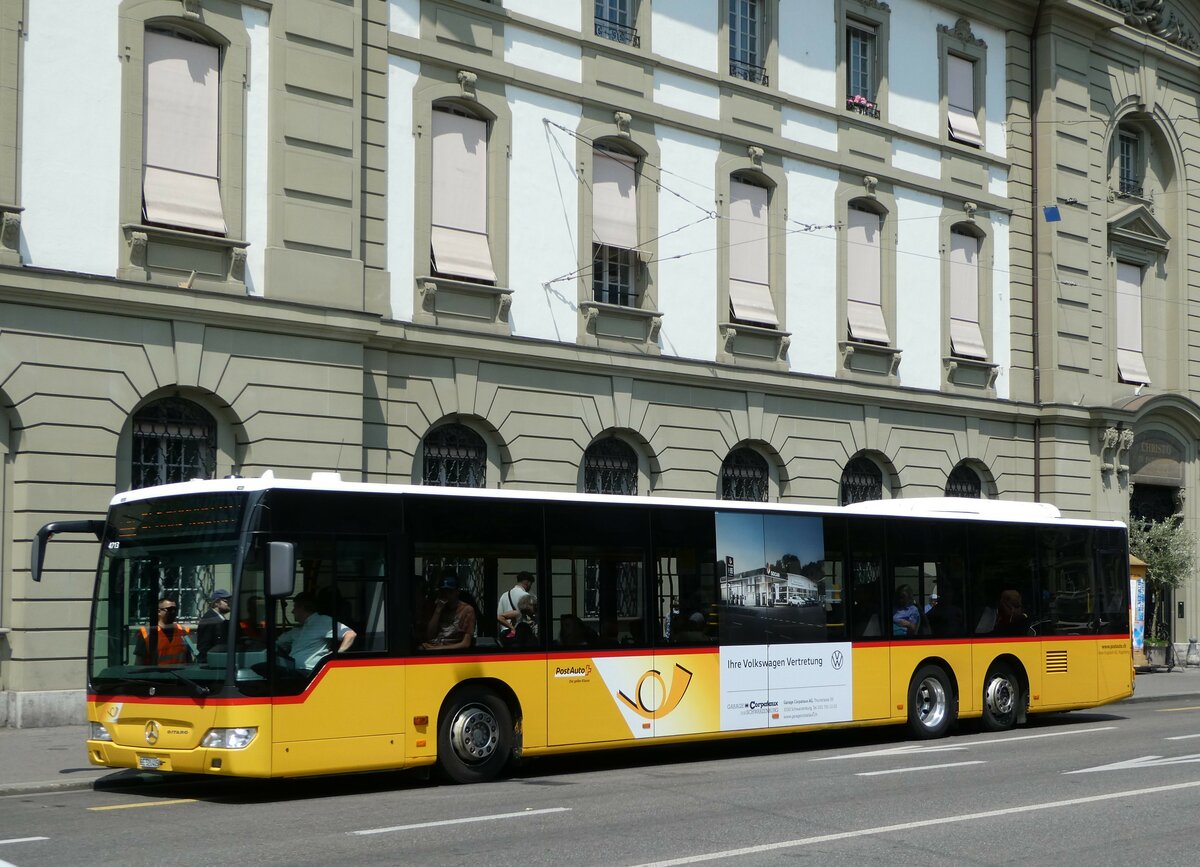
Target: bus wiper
point(201, 689)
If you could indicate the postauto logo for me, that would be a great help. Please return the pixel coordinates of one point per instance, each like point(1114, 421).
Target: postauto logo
point(680, 680)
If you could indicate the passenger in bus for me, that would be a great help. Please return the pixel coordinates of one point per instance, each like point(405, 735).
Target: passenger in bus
point(171, 644)
point(1011, 618)
point(906, 617)
point(313, 638)
point(451, 625)
point(573, 632)
point(212, 632)
point(508, 609)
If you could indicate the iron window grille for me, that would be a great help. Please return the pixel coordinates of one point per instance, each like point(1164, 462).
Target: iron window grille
point(861, 481)
point(744, 476)
point(174, 440)
point(610, 467)
point(614, 21)
point(454, 456)
point(964, 482)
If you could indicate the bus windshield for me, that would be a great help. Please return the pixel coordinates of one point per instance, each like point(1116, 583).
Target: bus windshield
point(166, 597)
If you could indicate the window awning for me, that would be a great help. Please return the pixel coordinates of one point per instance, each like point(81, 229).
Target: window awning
point(614, 199)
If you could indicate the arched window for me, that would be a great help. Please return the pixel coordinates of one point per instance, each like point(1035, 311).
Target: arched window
point(744, 476)
point(454, 456)
point(174, 440)
point(964, 482)
point(861, 481)
point(610, 467)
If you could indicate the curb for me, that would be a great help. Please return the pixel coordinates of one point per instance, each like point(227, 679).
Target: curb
point(1174, 696)
point(11, 789)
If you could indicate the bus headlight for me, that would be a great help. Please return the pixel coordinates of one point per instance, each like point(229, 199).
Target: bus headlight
point(229, 739)
point(98, 732)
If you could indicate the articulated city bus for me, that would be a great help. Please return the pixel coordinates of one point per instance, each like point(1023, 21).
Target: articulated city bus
point(323, 627)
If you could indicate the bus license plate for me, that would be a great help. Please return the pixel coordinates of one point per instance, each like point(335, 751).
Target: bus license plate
point(149, 763)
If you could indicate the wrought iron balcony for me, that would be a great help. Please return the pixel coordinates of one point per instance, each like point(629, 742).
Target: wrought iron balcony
point(749, 72)
point(862, 105)
point(618, 32)
point(1130, 187)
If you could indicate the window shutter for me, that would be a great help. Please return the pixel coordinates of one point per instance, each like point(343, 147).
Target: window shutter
point(459, 208)
point(749, 267)
point(1131, 365)
point(864, 308)
point(614, 199)
point(180, 122)
point(960, 98)
point(965, 337)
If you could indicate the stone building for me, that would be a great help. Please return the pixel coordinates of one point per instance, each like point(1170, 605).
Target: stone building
point(791, 250)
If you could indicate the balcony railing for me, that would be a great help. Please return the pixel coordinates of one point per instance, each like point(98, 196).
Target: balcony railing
point(749, 72)
point(1131, 188)
point(618, 32)
point(862, 105)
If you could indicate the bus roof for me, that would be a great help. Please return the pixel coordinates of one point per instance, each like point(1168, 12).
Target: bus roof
point(913, 507)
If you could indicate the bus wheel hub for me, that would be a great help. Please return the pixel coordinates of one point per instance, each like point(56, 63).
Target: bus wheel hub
point(474, 733)
point(999, 696)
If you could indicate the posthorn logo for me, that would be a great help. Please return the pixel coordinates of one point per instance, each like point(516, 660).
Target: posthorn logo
point(680, 681)
point(837, 660)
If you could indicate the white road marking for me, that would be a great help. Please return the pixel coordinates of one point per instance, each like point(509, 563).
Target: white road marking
point(1181, 737)
point(918, 768)
point(1142, 762)
point(518, 815)
point(912, 749)
point(923, 823)
point(23, 840)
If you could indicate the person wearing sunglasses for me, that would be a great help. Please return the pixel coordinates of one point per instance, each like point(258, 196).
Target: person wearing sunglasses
point(170, 644)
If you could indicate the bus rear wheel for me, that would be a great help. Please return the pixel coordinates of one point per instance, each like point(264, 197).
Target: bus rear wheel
point(475, 736)
point(1001, 698)
point(932, 707)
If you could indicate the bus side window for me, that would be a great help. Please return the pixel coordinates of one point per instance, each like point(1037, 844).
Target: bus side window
point(865, 573)
point(685, 599)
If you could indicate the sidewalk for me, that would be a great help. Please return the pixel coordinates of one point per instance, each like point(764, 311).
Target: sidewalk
point(54, 759)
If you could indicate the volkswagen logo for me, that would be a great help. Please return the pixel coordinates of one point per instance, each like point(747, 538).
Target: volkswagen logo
point(837, 660)
point(152, 732)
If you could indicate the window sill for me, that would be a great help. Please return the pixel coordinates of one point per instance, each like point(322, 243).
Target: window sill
point(188, 259)
point(741, 342)
point(613, 325)
point(970, 373)
point(869, 359)
point(463, 304)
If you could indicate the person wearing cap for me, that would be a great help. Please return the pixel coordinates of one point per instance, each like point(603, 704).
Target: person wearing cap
point(212, 632)
point(452, 623)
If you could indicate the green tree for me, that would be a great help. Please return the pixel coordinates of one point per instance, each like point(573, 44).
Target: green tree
point(1169, 552)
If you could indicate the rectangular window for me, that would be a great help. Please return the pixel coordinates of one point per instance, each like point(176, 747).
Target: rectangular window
point(864, 304)
point(960, 101)
point(614, 226)
point(746, 53)
point(180, 124)
point(614, 20)
point(749, 280)
point(1129, 167)
point(860, 63)
point(1130, 364)
point(966, 339)
point(459, 232)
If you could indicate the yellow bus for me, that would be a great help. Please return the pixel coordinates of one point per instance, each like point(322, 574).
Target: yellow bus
point(278, 628)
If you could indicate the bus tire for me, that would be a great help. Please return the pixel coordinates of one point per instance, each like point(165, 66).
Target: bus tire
point(475, 736)
point(1002, 698)
point(932, 705)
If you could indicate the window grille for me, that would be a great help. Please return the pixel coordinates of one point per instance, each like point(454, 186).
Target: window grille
point(861, 481)
point(174, 440)
point(744, 476)
point(614, 21)
point(610, 467)
point(964, 482)
point(454, 456)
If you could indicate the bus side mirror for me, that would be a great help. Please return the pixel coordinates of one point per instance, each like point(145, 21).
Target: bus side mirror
point(281, 569)
point(43, 536)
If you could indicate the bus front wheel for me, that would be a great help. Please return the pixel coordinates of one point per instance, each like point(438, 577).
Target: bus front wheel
point(475, 736)
point(932, 708)
point(1001, 699)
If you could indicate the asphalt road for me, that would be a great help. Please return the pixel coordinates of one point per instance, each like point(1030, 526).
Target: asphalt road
point(1116, 787)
